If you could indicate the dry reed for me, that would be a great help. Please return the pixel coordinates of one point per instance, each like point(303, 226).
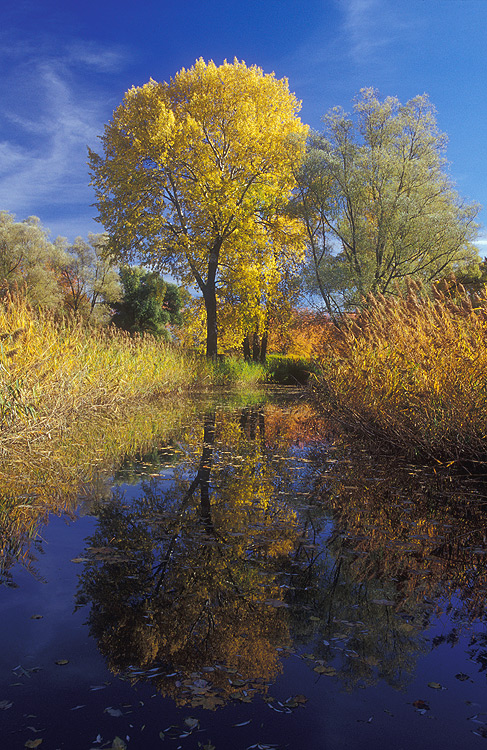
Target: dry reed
point(54, 373)
point(412, 370)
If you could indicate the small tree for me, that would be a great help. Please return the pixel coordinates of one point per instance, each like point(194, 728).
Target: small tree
point(148, 303)
point(88, 277)
point(377, 201)
point(29, 260)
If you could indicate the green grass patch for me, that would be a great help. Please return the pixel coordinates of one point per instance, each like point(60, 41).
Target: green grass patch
point(237, 372)
point(289, 370)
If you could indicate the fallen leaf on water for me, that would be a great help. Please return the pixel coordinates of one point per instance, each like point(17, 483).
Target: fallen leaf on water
point(62, 662)
point(113, 711)
point(330, 671)
point(118, 744)
point(33, 743)
point(300, 699)
point(191, 722)
point(436, 686)
point(462, 676)
point(36, 617)
point(421, 705)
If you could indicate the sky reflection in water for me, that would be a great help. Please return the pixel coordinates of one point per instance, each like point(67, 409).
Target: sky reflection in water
point(251, 579)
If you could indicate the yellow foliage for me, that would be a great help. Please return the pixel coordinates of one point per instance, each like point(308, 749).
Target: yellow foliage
point(196, 172)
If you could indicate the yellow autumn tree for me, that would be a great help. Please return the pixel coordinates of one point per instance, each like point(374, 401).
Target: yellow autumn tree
point(196, 169)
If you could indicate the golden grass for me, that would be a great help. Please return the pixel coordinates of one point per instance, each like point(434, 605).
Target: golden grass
point(53, 373)
point(413, 371)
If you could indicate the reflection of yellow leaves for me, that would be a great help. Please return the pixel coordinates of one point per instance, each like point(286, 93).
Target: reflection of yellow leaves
point(323, 669)
point(210, 702)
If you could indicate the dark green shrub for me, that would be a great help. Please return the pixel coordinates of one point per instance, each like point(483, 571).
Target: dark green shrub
point(289, 370)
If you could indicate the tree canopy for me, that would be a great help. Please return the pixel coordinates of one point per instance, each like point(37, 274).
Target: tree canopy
point(378, 203)
point(29, 260)
point(195, 174)
point(147, 303)
point(88, 277)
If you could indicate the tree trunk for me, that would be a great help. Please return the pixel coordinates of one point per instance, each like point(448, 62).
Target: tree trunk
point(246, 348)
point(211, 324)
point(255, 347)
point(209, 295)
point(263, 346)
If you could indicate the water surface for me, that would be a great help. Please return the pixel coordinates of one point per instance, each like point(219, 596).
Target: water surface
point(249, 579)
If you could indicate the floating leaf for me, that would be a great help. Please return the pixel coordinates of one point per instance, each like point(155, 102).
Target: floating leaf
point(462, 676)
point(436, 686)
point(421, 705)
point(33, 743)
point(322, 669)
point(36, 617)
point(191, 722)
point(113, 711)
point(62, 662)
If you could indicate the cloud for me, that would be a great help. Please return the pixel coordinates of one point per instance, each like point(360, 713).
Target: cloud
point(86, 53)
point(53, 106)
point(370, 26)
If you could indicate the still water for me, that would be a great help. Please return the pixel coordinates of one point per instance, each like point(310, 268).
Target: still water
point(251, 579)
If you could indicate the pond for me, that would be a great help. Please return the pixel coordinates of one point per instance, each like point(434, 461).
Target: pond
point(250, 579)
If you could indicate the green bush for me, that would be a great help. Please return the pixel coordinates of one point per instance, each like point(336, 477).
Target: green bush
point(238, 372)
point(289, 370)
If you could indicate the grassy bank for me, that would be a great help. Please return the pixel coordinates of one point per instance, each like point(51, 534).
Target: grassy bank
point(412, 371)
point(55, 373)
point(52, 373)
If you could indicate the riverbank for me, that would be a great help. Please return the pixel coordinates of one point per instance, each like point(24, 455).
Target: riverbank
point(411, 372)
point(57, 372)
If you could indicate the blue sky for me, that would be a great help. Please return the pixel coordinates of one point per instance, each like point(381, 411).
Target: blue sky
point(65, 67)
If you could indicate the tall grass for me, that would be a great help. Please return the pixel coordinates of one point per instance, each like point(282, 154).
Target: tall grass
point(413, 370)
point(53, 373)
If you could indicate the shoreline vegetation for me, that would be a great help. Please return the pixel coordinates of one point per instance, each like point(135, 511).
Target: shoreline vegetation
point(56, 371)
point(410, 371)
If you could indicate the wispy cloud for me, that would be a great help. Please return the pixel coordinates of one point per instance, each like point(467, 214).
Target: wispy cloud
point(49, 115)
point(371, 26)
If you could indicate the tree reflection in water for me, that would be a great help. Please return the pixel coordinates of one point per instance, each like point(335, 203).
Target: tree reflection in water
point(187, 581)
point(267, 540)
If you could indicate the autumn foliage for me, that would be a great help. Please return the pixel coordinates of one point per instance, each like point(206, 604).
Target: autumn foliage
point(413, 370)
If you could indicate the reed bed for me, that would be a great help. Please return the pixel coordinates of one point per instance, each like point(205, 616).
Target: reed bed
point(412, 371)
point(55, 372)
